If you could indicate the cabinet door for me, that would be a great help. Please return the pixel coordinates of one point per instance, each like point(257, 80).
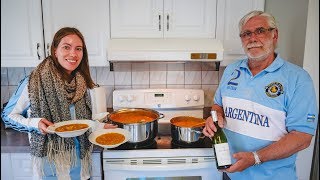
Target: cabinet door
point(163, 18)
point(229, 14)
point(21, 33)
point(190, 18)
point(6, 167)
point(89, 17)
point(22, 163)
point(136, 18)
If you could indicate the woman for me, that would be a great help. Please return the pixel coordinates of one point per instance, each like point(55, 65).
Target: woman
point(57, 90)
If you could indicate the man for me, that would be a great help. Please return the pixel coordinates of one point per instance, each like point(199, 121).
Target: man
point(266, 105)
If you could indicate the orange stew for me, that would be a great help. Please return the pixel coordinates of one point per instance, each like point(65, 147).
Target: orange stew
point(132, 117)
point(187, 122)
point(71, 127)
point(110, 139)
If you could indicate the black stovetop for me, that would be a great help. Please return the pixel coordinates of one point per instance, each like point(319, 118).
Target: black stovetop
point(164, 142)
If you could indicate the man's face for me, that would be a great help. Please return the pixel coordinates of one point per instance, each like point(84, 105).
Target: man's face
point(258, 38)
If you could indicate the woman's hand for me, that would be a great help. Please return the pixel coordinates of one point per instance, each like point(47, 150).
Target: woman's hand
point(109, 126)
point(43, 124)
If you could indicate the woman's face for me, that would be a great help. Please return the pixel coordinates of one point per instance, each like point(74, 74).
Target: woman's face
point(69, 52)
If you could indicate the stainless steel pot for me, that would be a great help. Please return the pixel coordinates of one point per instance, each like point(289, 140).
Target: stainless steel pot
point(187, 135)
point(141, 131)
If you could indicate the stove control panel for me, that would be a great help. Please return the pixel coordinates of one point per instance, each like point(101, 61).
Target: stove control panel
point(158, 98)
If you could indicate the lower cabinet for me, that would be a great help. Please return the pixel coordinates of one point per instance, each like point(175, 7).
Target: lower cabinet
point(11, 163)
point(16, 166)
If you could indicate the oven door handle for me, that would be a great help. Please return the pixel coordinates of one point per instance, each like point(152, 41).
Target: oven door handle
point(159, 167)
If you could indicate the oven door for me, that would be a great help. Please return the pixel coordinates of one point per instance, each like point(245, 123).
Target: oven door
point(154, 171)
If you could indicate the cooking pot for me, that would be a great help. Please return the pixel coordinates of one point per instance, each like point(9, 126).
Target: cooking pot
point(142, 123)
point(187, 129)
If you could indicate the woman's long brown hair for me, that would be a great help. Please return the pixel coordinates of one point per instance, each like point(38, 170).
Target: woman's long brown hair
point(83, 67)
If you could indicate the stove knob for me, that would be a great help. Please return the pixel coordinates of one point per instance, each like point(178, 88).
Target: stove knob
point(130, 98)
point(187, 98)
point(196, 97)
point(121, 98)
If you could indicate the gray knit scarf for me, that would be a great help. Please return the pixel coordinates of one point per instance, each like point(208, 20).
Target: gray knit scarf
point(50, 98)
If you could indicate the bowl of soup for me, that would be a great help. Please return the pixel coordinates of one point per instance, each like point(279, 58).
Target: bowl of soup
point(109, 138)
point(70, 128)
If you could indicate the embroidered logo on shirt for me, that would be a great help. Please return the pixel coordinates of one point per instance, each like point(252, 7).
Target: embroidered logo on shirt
point(311, 117)
point(274, 89)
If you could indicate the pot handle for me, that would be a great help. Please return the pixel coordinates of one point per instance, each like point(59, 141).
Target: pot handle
point(161, 115)
point(198, 132)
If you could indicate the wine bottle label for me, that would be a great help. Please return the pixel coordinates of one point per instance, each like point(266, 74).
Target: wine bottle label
point(223, 154)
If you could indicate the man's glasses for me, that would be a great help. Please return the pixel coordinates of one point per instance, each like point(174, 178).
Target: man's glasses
point(259, 32)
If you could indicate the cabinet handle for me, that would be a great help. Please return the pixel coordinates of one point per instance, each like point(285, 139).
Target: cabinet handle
point(48, 49)
point(159, 22)
point(38, 46)
point(167, 22)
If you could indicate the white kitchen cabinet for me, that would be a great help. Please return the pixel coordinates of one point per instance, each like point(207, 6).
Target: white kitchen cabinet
point(6, 167)
point(90, 17)
point(26, 36)
point(163, 18)
point(11, 163)
point(21, 33)
point(229, 13)
point(16, 166)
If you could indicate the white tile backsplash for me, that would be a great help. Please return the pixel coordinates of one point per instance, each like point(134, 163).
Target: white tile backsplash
point(5, 95)
point(210, 77)
point(15, 75)
point(175, 77)
point(193, 66)
point(105, 76)
point(158, 77)
point(175, 66)
point(140, 78)
point(122, 78)
point(192, 77)
point(155, 75)
point(4, 77)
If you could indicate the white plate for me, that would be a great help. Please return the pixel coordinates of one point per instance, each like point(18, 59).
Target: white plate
point(51, 129)
point(95, 134)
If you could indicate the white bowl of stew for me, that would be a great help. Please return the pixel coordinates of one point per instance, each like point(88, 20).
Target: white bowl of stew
point(70, 128)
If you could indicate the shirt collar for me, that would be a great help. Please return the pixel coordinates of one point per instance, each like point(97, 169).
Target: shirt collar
point(276, 64)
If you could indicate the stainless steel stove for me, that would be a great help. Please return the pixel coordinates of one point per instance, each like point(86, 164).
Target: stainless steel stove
point(161, 158)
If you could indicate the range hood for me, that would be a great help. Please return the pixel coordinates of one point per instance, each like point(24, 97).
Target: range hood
point(196, 49)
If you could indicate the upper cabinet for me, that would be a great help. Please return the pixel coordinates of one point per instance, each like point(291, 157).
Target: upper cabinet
point(28, 27)
point(26, 37)
point(21, 33)
point(163, 18)
point(229, 13)
point(89, 17)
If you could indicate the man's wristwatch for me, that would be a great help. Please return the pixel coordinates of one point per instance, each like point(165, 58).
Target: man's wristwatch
point(256, 158)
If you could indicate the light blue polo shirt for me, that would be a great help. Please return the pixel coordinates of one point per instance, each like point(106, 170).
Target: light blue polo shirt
point(261, 109)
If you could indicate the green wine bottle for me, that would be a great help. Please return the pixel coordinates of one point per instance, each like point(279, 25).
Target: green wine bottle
point(220, 145)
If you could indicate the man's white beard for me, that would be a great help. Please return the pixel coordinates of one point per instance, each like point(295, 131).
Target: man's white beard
point(262, 56)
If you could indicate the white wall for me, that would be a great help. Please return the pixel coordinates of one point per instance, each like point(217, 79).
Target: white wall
point(291, 16)
point(311, 64)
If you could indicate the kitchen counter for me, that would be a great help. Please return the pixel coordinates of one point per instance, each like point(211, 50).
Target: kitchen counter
point(13, 141)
